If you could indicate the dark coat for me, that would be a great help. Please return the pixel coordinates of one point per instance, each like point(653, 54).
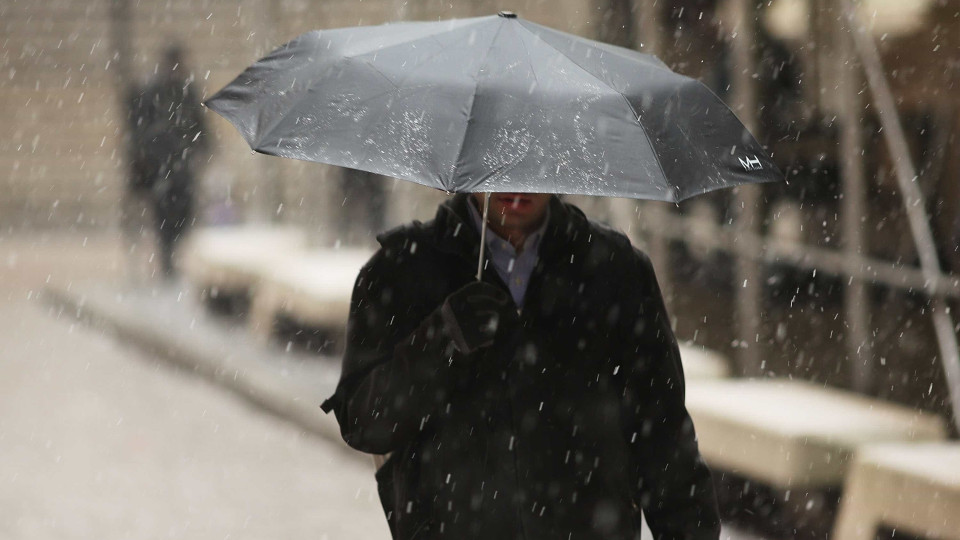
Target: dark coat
point(563, 429)
point(167, 138)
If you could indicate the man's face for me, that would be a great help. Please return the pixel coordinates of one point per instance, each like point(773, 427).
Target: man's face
point(521, 212)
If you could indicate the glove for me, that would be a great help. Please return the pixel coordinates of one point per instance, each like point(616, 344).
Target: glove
point(472, 314)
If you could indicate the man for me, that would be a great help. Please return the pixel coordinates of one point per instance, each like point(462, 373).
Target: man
point(167, 127)
point(544, 402)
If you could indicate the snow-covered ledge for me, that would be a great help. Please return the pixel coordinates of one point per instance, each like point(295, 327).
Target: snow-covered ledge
point(701, 363)
point(914, 488)
point(795, 434)
point(312, 288)
point(230, 260)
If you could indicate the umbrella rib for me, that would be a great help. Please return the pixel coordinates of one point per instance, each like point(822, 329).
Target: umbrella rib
point(306, 91)
point(396, 90)
point(473, 100)
point(380, 73)
point(506, 167)
point(365, 157)
point(653, 149)
point(526, 52)
point(407, 43)
point(616, 50)
point(296, 102)
point(407, 76)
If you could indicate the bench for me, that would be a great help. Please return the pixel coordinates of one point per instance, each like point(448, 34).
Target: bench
point(795, 434)
point(312, 288)
point(780, 449)
point(229, 261)
point(912, 488)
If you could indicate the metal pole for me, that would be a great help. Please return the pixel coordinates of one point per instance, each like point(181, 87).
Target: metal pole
point(649, 39)
point(856, 302)
point(483, 234)
point(749, 290)
point(913, 200)
point(622, 211)
point(120, 22)
point(133, 208)
point(615, 24)
point(810, 257)
point(273, 173)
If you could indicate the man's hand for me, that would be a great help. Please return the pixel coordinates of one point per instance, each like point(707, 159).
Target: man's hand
point(473, 313)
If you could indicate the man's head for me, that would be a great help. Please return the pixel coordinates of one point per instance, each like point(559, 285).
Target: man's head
point(515, 213)
point(172, 59)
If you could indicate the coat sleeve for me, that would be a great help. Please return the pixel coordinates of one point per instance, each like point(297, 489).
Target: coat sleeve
point(397, 362)
point(670, 480)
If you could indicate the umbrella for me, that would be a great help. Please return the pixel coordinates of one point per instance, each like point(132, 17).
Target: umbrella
point(493, 104)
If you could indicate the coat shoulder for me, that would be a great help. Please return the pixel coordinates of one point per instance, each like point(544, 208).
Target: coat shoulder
point(404, 234)
point(614, 247)
point(401, 249)
point(407, 239)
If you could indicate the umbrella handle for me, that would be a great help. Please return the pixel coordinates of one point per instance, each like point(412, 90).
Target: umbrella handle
point(483, 234)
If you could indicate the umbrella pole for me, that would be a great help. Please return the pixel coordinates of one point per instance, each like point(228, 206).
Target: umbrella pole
point(483, 234)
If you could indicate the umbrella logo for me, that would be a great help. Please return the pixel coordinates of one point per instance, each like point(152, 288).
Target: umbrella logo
point(750, 164)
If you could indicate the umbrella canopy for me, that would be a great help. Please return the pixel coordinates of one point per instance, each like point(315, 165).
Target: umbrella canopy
point(493, 104)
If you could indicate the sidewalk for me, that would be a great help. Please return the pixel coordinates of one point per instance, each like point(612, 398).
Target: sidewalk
point(99, 439)
point(168, 320)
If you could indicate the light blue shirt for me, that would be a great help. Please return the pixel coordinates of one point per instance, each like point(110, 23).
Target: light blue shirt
point(512, 267)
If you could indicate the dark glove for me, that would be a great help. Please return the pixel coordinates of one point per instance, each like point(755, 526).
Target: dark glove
point(473, 313)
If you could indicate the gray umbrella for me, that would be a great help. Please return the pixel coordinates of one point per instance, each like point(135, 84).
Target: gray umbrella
point(490, 104)
point(493, 104)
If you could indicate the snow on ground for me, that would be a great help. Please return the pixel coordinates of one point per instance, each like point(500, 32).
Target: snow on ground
point(101, 441)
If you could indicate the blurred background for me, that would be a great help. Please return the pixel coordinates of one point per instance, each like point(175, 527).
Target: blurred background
point(121, 285)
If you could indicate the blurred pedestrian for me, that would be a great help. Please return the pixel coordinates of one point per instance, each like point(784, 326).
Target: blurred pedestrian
point(166, 143)
point(545, 401)
point(363, 206)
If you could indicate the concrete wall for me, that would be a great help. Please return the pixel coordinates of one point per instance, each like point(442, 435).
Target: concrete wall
point(58, 161)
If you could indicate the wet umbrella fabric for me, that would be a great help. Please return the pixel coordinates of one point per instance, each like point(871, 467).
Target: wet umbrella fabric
point(493, 104)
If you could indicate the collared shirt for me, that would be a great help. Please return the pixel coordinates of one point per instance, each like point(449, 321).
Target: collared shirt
point(512, 267)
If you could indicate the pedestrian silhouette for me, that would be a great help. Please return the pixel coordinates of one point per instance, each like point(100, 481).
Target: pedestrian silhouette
point(363, 206)
point(166, 143)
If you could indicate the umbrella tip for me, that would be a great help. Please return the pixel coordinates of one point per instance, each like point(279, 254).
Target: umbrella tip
point(507, 14)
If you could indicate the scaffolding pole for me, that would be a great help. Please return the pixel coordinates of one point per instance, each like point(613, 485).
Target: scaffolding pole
point(912, 198)
point(625, 213)
point(272, 176)
point(121, 20)
point(765, 250)
point(133, 207)
point(856, 301)
point(648, 38)
point(749, 299)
